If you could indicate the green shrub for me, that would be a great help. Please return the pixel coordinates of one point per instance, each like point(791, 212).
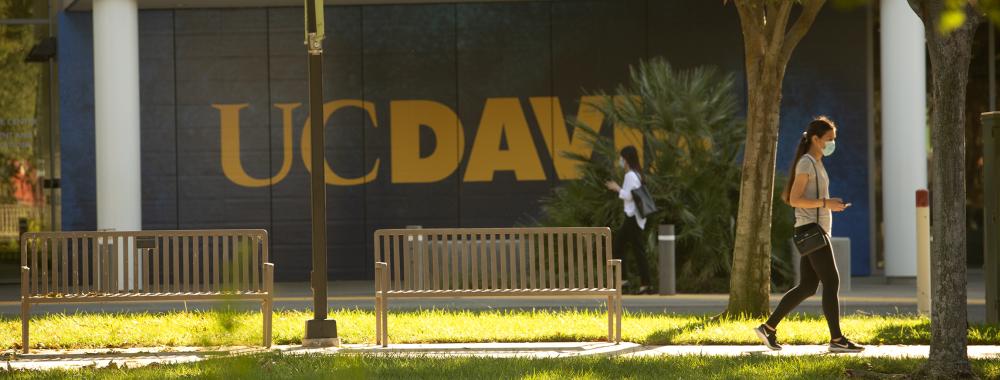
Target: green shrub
point(692, 139)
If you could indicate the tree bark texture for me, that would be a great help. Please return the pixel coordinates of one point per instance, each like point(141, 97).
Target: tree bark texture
point(768, 44)
point(950, 55)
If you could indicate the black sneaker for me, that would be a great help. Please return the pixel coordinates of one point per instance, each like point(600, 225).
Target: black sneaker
point(843, 345)
point(768, 337)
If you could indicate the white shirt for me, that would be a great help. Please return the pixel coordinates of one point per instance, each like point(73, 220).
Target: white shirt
point(630, 183)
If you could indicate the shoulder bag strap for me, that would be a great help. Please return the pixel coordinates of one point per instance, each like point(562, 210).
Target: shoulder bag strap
point(813, 161)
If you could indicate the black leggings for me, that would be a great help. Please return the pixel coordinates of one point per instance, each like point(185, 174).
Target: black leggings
point(815, 267)
point(630, 236)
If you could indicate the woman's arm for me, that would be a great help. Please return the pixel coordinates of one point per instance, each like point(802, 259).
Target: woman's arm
point(796, 199)
point(630, 183)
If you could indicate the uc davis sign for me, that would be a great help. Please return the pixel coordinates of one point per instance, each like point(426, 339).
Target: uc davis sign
point(503, 141)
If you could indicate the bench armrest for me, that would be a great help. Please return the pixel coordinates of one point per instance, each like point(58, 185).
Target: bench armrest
point(381, 275)
point(269, 278)
point(615, 274)
point(24, 281)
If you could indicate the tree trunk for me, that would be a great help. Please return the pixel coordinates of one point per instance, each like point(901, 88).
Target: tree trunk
point(750, 284)
point(768, 44)
point(950, 55)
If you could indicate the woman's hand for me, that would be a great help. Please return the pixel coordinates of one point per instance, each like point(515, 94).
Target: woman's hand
point(836, 204)
point(613, 186)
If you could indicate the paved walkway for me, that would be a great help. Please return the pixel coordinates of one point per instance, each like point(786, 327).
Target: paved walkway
point(138, 357)
point(868, 295)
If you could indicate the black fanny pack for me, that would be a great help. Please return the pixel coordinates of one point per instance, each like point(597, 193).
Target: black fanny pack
point(810, 238)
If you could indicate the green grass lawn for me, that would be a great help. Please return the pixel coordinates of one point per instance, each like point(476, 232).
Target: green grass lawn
point(277, 366)
point(93, 330)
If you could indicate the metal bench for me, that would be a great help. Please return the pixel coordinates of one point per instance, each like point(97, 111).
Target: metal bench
point(70, 267)
point(487, 262)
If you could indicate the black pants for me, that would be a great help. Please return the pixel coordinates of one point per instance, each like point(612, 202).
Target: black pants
point(815, 268)
point(630, 245)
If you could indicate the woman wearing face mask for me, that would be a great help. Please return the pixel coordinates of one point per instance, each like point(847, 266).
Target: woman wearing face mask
point(629, 240)
point(808, 191)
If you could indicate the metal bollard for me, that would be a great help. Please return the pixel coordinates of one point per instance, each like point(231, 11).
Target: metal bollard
point(667, 263)
point(923, 252)
point(22, 226)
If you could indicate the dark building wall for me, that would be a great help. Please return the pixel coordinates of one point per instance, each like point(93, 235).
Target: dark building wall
point(475, 71)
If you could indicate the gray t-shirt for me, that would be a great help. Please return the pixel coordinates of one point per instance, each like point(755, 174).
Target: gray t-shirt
point(805, 216)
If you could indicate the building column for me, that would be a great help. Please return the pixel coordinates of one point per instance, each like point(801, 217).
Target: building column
point(904, 136)
point(116, 114)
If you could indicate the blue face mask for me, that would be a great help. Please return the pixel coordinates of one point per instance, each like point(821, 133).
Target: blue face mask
point(829, 148)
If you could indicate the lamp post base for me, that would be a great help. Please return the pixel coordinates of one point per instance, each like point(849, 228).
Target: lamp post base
point(321, 333)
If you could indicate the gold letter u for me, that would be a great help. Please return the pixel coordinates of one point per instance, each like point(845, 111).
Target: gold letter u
point(229, 116)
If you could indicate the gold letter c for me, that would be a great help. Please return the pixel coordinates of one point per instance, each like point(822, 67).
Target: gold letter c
point(328, 109)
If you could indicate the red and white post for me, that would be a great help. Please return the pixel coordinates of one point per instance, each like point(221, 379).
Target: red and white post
point(923, 252)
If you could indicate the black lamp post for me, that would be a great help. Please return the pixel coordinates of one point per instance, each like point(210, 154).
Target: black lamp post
point(320, 331)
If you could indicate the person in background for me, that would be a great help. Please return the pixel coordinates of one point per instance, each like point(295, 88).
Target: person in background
point(629, 240)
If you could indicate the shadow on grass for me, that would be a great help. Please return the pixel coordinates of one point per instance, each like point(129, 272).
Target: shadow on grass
point(665, 337)
point(902, 334)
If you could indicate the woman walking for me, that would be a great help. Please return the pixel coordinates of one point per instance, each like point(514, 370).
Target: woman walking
point(808, 191)
point(630, 236)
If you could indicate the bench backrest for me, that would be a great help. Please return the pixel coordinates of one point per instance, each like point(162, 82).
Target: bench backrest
point(495, 258)
point(144, 262)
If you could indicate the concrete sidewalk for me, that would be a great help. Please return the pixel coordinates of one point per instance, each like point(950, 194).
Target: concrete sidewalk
point(139, 357)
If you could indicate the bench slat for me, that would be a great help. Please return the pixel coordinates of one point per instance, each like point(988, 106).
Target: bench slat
point(244, 263)
point(65, 265)
point(216, 246)
point(396, 274)
point(589, 254)
point(175, 264)
point(84, 264)
point(76, 265)
point(115, 263)
point(45, 265)
point(205, 255)
point(134, 252)
point(196, 243)
point(550, 250)
point(255, 250)
point(185, 264)
point(433, 263)
point(600, 260)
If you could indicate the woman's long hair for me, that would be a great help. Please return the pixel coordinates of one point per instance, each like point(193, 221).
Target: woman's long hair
point(631, 157)
point(818, 127)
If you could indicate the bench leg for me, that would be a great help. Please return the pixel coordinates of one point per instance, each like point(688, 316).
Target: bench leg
point(611, 316)
point(378, 320)
point(385, 321)
point(266, 310)
point(620, 311)
point(25, 317)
